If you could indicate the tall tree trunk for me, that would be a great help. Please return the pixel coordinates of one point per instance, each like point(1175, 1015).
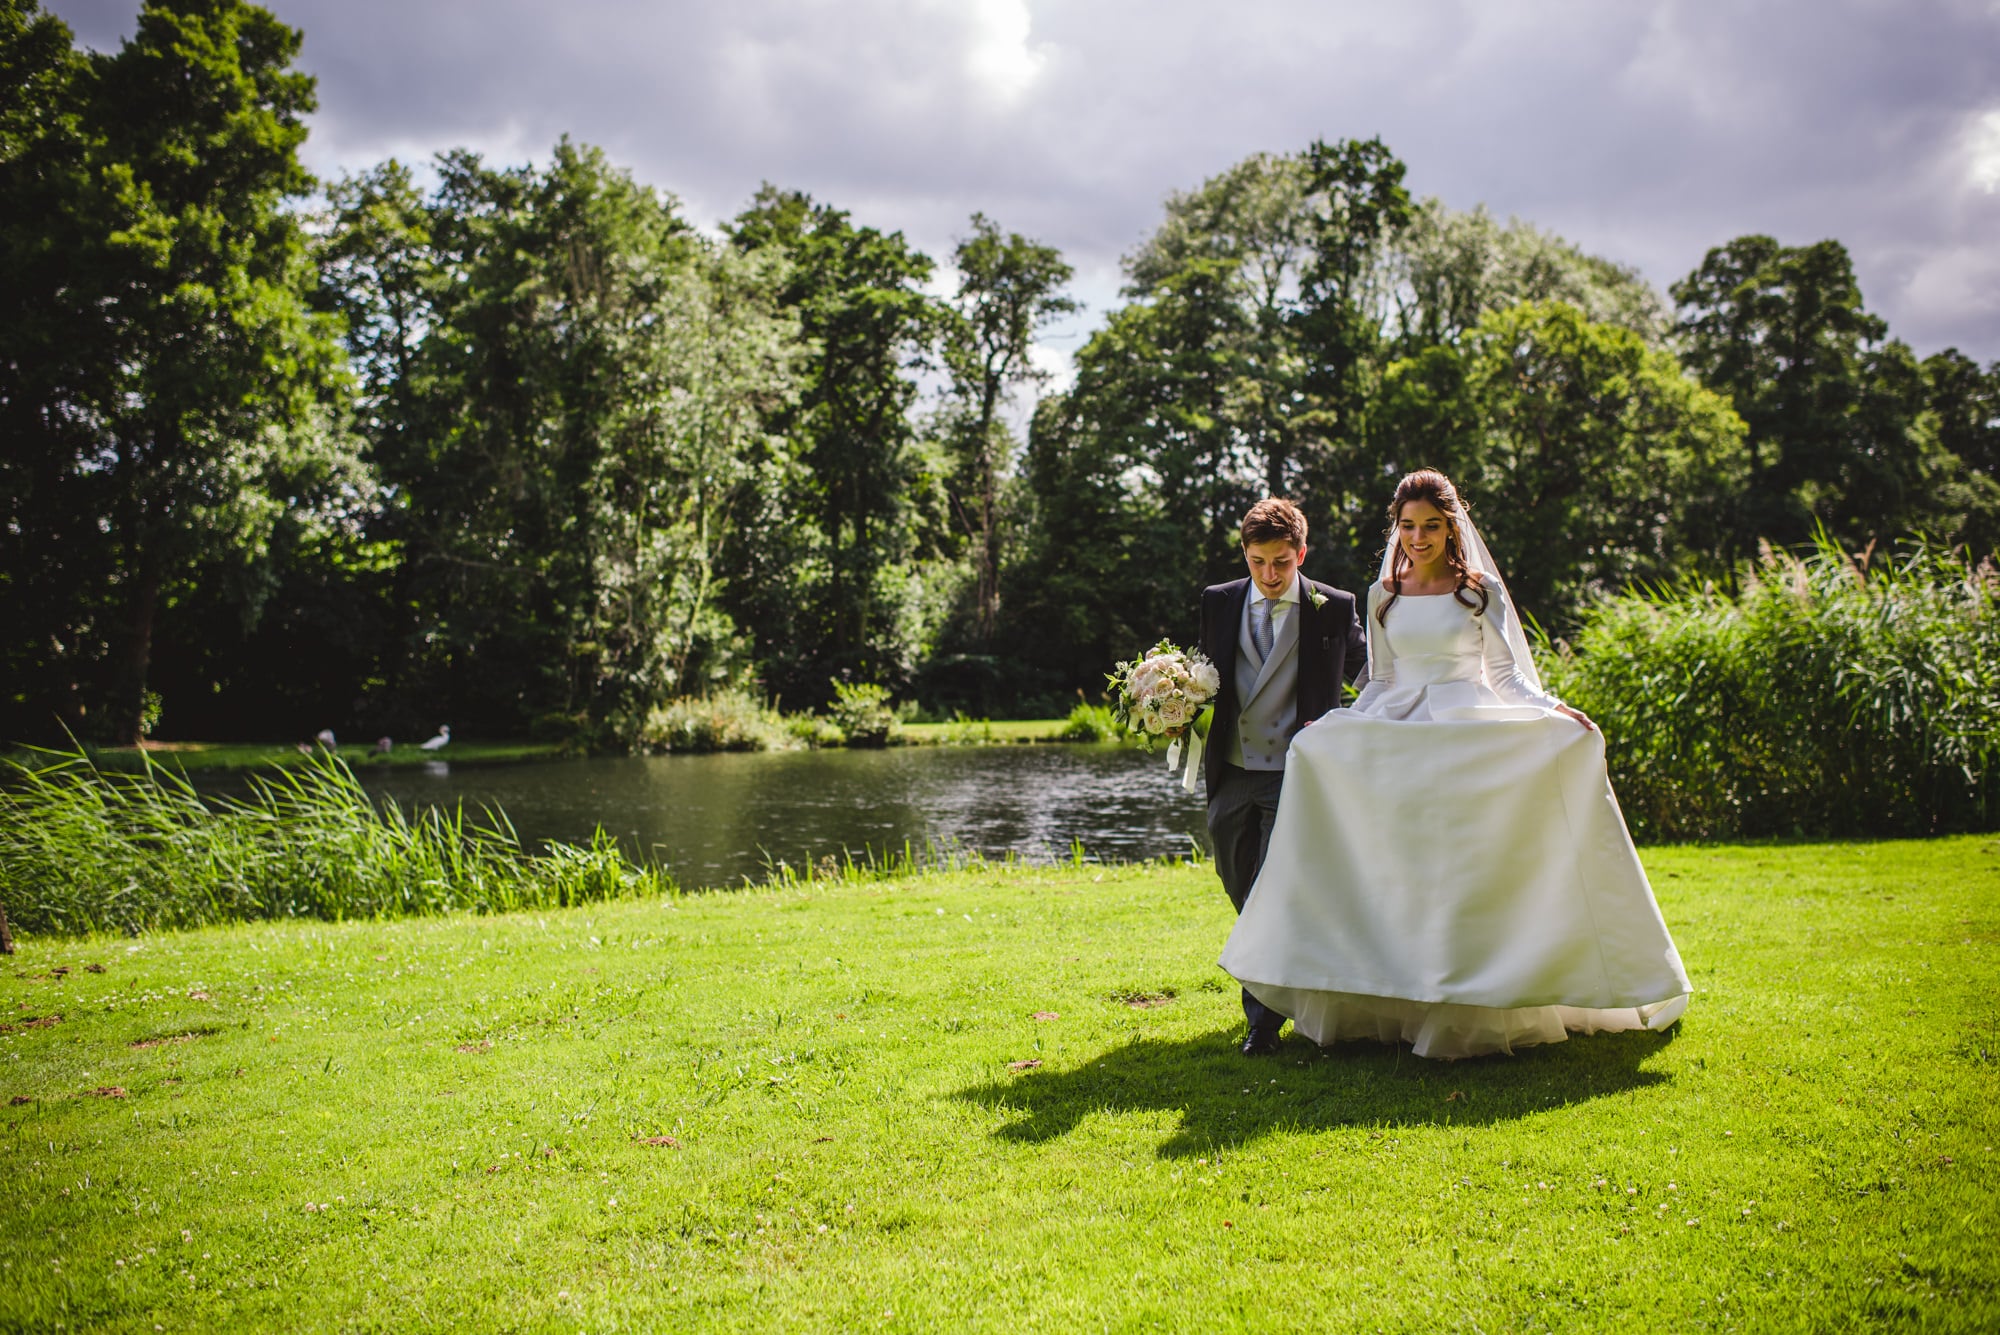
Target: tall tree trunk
point(989, 557)
point(139, 652)
point(989, 542)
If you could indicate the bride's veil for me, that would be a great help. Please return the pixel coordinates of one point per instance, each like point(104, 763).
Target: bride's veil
point(1479, 559)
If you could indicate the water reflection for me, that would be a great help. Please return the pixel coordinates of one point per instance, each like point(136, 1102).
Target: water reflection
point(718, 820)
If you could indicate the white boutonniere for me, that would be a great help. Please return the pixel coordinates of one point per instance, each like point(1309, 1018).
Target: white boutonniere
point(1318, 599)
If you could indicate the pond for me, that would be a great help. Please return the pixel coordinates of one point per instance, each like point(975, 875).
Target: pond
point(723, 819)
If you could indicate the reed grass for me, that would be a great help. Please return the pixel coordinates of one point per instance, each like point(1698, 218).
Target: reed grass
point(85, 850)
point(1828, 695)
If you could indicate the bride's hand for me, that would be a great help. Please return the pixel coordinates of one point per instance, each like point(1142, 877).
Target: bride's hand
point(1578, 715)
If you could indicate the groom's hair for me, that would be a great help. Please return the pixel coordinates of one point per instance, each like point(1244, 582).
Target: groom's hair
point(1274, 519)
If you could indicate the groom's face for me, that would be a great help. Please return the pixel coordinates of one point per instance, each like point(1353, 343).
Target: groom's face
point(1272, 565)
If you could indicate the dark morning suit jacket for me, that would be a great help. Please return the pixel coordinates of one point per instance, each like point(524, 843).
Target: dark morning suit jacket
point(1333, 647)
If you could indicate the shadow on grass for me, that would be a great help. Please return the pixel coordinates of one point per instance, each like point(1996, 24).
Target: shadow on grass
point(1226, 1100)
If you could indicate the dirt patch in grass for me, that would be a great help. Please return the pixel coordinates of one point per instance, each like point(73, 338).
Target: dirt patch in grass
point(162, 1040)
point(32, 1022)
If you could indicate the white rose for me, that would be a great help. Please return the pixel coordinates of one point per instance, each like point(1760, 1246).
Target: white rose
point(1207, 679)
point(1154, 725)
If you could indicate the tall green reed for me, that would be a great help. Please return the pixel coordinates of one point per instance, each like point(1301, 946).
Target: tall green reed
point(84, 850)
point(1828, 695)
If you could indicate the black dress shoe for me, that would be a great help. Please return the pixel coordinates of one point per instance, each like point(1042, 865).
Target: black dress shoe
point(1260, 1042)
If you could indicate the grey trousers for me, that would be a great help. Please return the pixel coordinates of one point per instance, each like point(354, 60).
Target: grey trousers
point(1242, 807)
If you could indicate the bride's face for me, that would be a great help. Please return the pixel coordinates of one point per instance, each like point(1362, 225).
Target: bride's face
point(1421, 529)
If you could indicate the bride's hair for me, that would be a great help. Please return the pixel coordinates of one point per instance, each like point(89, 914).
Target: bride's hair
point(1427, 484)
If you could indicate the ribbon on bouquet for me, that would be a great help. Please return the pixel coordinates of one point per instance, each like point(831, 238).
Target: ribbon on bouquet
point(1197, 737)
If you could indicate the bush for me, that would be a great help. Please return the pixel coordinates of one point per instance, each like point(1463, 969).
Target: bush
point(861, 712)
point(1091, 723)
point(725, 721)
point(810, 730)
point(1827, 697)
point(573, 732)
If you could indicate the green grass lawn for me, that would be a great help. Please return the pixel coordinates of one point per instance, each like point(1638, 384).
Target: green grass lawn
point(998, 1100)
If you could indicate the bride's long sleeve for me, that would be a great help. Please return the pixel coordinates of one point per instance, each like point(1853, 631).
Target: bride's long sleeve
point(1381, 668)
point(1503, 673)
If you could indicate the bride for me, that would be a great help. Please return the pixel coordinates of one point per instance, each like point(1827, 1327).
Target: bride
point(1449, 867)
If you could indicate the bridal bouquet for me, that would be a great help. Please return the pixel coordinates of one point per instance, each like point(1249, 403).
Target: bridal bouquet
point(1166, 693)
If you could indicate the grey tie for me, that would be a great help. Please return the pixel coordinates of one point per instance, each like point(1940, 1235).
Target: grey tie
point(1260, 628)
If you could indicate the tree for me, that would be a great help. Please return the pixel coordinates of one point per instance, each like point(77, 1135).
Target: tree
point(1299, 245)
point(56, 562)
point(1830, 408)
point(838, 600)
point(182, 380)
point(1594, 460)
point(1103, 570)
point(1966, 401)
point(1357, 205)
point(568, 389)
point(720, 360)
point(1447, 269)
point(1009, 288)
point(1962, 406)
point(379, 271)
point(1243, 237)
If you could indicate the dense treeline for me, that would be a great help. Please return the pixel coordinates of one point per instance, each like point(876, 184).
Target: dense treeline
point(526, 449)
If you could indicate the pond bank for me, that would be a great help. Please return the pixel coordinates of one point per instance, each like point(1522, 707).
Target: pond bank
point(192, 757)
point(81, 847)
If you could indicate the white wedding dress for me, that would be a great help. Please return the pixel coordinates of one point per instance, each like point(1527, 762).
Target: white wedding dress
point(1449, 867)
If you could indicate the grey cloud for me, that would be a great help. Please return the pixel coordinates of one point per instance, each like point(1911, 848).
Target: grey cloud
point(1647, 133)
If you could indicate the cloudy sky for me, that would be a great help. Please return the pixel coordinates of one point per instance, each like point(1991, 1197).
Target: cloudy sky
point(1644, 130)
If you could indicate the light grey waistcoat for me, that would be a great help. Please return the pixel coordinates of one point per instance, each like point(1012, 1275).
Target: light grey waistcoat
point(1267, 696)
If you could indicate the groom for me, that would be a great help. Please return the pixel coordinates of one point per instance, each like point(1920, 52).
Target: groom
point(1283, 645)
